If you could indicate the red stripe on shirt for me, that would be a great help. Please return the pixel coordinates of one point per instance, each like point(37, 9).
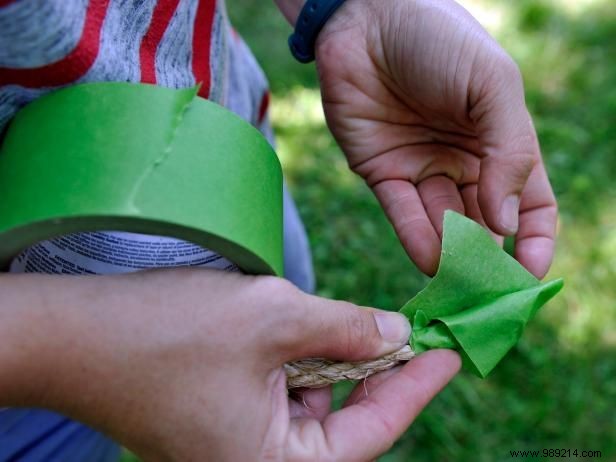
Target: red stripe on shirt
point(72, 66)
point(263, 106)
point(202, 43)
point(6, 2)
point(161, 17)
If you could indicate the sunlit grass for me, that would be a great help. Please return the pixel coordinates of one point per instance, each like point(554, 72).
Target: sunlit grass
point(577, 7)
point(298, 119)
point(298, 108)
point(491, 15)
point(496, 15)
point(585, 314)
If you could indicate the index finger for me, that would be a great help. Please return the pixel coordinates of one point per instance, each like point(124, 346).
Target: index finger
point(367, 429)
point(403, 206)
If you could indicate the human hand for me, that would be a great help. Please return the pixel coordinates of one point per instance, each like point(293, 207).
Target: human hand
point(430, 111)
point(186, 365)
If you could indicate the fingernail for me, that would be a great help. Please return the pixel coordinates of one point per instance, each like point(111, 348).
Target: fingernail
point(393, 327)
point(509, 213)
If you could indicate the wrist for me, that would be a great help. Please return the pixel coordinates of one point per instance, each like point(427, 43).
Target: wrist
point(310, 22)
point(353, 15)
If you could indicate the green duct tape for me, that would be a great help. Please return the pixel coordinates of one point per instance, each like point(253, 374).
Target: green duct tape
point(480, 300)
point(145, 159)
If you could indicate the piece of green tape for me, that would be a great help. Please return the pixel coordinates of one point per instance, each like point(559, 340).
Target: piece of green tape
point(145, 159)
point(480, 300)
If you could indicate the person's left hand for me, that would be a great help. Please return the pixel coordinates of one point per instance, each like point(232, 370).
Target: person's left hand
point(430, 111)
point(186, 364)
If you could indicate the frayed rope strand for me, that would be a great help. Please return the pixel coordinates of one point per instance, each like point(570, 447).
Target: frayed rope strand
point(318, 372)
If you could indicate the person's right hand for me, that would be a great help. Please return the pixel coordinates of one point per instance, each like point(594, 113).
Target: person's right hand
point(430, 111)
point(186, 365)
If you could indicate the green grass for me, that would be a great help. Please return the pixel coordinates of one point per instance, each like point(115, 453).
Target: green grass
point(557, 389)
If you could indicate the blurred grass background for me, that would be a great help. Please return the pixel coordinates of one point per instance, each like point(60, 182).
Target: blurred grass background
point(557, 389)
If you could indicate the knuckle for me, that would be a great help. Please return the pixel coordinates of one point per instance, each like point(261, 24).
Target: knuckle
point(281, 312)
point(521, 164)
point(423, 392)
point(509, 68)
point(278, 291)
point(384, 422)
point(515, 164)
point(503, 77)
point(503, 67)
point(286, 332)
point(441, 201)
point(360, 333)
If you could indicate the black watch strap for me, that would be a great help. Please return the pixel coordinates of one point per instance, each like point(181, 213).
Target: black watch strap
point(310, 21)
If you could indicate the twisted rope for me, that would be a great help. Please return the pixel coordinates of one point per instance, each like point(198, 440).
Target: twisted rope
point(318, 372)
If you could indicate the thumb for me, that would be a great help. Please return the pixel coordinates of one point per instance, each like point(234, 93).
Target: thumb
point(508, 144)
point(343, 331)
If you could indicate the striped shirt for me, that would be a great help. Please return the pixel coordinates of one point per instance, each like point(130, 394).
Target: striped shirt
point(48, 44)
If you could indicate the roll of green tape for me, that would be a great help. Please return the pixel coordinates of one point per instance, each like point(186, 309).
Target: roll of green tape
point(144, 159)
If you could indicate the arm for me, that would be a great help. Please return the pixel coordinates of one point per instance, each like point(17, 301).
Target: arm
point(25, 350)
point(430, 111)
point(290, 9)
point(144, 359)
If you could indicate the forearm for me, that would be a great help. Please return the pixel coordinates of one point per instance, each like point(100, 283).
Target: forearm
point(345, 15)
point(49, 336)
point(290, 9)
point(29, 330)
